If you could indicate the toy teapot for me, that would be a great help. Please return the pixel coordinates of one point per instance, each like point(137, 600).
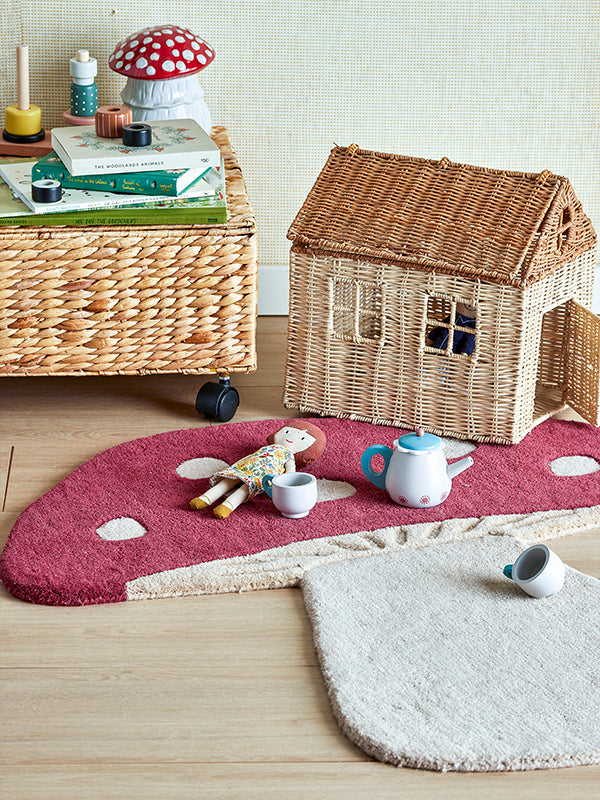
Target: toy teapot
point(416, 473)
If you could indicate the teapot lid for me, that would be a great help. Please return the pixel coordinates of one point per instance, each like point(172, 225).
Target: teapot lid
point(420, 441)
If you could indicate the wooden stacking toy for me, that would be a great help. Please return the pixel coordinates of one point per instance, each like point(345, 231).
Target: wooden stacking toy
point(111, 119)
point(23, 133)
point(84, 91)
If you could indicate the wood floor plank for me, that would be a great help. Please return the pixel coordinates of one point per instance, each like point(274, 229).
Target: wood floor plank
point(169, 714)
point(290, 781)
point(36, 469)
point(6, 455)
point(253, 629)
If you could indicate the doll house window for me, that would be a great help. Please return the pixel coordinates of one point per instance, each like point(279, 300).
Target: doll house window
point(451, 326)
point(564, 229)
point(356, 310)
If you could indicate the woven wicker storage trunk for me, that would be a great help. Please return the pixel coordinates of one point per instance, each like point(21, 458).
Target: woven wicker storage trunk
point(132, 300)
point(444, 296)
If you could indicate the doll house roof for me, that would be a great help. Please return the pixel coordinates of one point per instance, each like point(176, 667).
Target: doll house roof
point(504, 227)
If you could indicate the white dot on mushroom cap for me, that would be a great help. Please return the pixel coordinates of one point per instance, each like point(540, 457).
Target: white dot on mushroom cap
point(175, 53)
point(573, 466)
point(209, 53)
point(134, 43)
point(179, 39)
point(333, 490)
point(143, 49)
point(180, 65)
point(119, 64)
point(129, 55)
point(188, 36)
point(457, 448)
point(188, 55)
point(201, 58)
point(195, 45)
point(197, 468)
point(156, 46)
point(127, 66)
point(154, 57)
point(119, 54)
point(120, 528)
point(150, 71)
point(141, 63)
point(147, 39)
point(168, 66)
point(170, 43)
point(167, 30)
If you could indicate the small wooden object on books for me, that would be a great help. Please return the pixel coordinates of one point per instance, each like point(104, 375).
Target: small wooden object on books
point(134, 300)
point(84, 91)
point(442, 296)
point(23, 134)
point(110, 121)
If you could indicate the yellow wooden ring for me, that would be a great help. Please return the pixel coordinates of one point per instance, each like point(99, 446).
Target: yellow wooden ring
point(23, 122)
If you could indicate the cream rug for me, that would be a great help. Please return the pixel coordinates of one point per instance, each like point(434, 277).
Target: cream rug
point(433, 659)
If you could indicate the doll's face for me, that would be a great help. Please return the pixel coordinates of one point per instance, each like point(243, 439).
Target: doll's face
point(294, 439)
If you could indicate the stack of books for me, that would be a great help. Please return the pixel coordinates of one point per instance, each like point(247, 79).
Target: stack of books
point(179, 179)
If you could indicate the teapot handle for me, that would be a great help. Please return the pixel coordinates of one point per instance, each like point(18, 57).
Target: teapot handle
point(377, 478)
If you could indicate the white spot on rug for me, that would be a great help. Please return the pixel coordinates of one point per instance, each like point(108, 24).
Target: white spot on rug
point(572, 466)
point(456, 448)
point(197, 468)
point(333, 490)
point(120, 528)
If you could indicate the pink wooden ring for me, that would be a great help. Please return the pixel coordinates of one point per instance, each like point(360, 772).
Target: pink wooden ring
point(71, 119)
point(110, 121)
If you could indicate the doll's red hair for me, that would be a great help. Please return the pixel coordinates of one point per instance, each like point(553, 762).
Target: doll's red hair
point(314, 451)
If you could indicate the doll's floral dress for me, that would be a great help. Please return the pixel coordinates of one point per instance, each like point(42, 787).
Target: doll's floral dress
point(269, 460)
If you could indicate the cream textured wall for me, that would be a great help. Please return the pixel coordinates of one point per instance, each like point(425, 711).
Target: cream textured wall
point(513, 85)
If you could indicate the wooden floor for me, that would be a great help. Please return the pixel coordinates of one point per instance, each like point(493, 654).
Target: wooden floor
point(198, 697)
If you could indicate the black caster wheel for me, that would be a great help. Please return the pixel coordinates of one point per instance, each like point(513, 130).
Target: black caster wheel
point(218, 400)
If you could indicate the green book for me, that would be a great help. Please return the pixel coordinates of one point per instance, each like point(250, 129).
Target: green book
point(196, 211)
point(191, 212)
point(162, 182)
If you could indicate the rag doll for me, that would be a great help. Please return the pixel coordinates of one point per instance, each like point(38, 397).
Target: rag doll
point(296, 444)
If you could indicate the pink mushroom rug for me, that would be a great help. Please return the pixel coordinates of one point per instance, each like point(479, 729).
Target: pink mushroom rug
point(120, 526)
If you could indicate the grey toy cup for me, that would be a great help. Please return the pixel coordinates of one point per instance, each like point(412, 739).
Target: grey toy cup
point(293, 493)
point(538, 571)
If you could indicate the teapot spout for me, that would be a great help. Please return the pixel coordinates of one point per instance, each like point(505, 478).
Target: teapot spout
point(457, 467)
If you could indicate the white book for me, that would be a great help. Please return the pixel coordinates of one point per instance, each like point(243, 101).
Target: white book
point(18, 177)
point(176, 144)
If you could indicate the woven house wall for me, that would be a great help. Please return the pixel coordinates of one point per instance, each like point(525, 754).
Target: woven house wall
point(376, 364)
point(547, 319)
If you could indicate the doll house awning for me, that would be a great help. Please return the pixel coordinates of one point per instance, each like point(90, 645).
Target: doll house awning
point(504, 227)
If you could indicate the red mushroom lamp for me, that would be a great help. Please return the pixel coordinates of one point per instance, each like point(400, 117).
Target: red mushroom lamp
point(161, 65)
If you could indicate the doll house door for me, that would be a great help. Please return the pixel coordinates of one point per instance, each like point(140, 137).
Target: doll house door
point(582, 390)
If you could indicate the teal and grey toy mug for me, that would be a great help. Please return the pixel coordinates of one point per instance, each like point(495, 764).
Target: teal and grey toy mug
point(293, 493)
point(538, 571)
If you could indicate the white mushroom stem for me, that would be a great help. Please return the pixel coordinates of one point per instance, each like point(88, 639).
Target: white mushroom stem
point(176, 98)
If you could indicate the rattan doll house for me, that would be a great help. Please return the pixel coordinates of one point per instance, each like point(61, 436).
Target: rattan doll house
point(440, 295)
